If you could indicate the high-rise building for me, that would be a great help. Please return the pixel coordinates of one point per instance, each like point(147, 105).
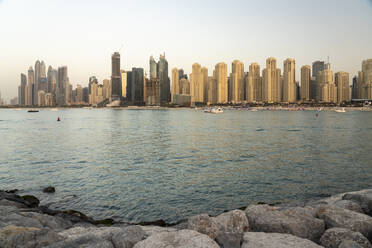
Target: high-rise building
point(137, 85)
point(42, 70)
point(106, 89)
point(318, 66)
point(163, 76)
point(253, 92)
point(41, 98)
point(37, 81)
point(22, 90)
point(237, 82)
point(30, 87)
point(153, 68)
point(175, 81)
point(343, 86)
point(271, 82)
point(92, 80)
point(327, 90)
point(85, 95)
point(212, 90)
point(221, 81)
point(196, 84)
point(79, 94)
point(123, 84)
point(364, 81)
point(184, 86)
point(305, 82)
point(289, 81)
point(62, 86)
point(115, 76)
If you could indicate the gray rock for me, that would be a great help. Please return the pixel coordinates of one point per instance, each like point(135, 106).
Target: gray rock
point(85, 241)
point(350, 205)
point(349, 244)
point(363, 198)
point(339, 217)
point(53, 222)
point(333, 237)
point(151, 230)
point(275, 240)
point(27, 237)
point(5, 202)
point(204, 224)
point(16, 219)
point(297, 221)
point(128, 237)
point(227, 229)
point(178, 239)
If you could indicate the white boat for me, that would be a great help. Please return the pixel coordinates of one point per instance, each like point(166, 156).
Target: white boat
point(218, 110)
point(340, 110)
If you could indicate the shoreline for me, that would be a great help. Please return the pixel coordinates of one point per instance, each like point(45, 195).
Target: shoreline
point(323, 222)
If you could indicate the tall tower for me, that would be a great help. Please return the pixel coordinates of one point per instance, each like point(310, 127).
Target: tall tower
point(22, 90)
point(153, 68)
point(237, 81)
point(196, 84)
point(343, 86)
point(204, 72)
point(305, 82)
point(62, 84)
point(115, 76)
point(30, 87)
point(175, 81)
point(289, 83)
point(221, 81)
point(163, 76)
point(271, 88)
point(254, 84)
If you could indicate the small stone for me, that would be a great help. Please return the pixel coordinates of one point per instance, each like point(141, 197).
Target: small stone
point(49, 189)
point(31, 200)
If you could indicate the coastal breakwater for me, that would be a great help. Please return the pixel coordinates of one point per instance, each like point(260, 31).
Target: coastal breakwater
point(342, 220)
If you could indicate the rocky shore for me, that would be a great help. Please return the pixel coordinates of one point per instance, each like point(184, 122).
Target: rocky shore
point(340, 221)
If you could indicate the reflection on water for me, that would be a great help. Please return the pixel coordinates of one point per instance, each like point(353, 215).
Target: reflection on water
point(142, 165)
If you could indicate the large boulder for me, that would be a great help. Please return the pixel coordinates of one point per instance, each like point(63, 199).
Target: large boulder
point(333, 237)
point(178, 239)
point(125, 237)
point(53, 222)
point(16, 219)
point(227, 229)
point(339, 217)
point(297, 221)
point(363, 198)
point(27, 237)
point(275, 240)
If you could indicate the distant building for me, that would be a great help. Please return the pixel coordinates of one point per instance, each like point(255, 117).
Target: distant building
point(124, 80)
point(107, 89)
point(30, 87)
point(162, 73)
point(343, 86)
point(137, 85)
point(22, 90)
point(41, 98)
point(175, 82)
point(305, 83)
point(115, 76)
point(153, 68)
point(327, 90)
point(62, 84)
point(220, 75)
point(253, 84)
point(237, 82)
point(289, 81)
point(271, 82)
point(152, 92)
point(364, 81)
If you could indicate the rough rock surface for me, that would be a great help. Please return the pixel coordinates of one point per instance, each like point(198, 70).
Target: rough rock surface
point(338, 217)
point(178, 239)
point(297, 221)
point(14, 236)
point(227, 229)
point(275, 240)
point(363, 198)
point(151, 230)
point(349, 244)
point(333, 237)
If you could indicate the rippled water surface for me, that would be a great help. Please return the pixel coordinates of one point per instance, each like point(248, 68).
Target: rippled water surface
point(142, 165)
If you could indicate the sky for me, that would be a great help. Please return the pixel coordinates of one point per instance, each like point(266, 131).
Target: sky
point(82, 34)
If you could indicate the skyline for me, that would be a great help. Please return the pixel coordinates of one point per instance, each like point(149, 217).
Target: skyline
point(193, 35)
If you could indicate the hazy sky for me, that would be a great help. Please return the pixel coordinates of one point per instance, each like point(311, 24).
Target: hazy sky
point(83, 34)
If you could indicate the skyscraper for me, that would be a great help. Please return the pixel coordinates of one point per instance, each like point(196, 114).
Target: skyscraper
point(175, 81)
point(62, 86)
point(115, 76)
point(153, 68)
point(30, 87)
point(22, 90)
point(237, 82)
point(305, 82)
point(271, 85)
point(37, 81)
point(327, 90)
point(106, 89)
point(123, 84)
point(196, 84)
point(289, 83)
point(162, 73)
point(254, 84)
point(221, 81)
point(318, 66)
point(364, 80)
point(137, 85)
point(343, 86)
